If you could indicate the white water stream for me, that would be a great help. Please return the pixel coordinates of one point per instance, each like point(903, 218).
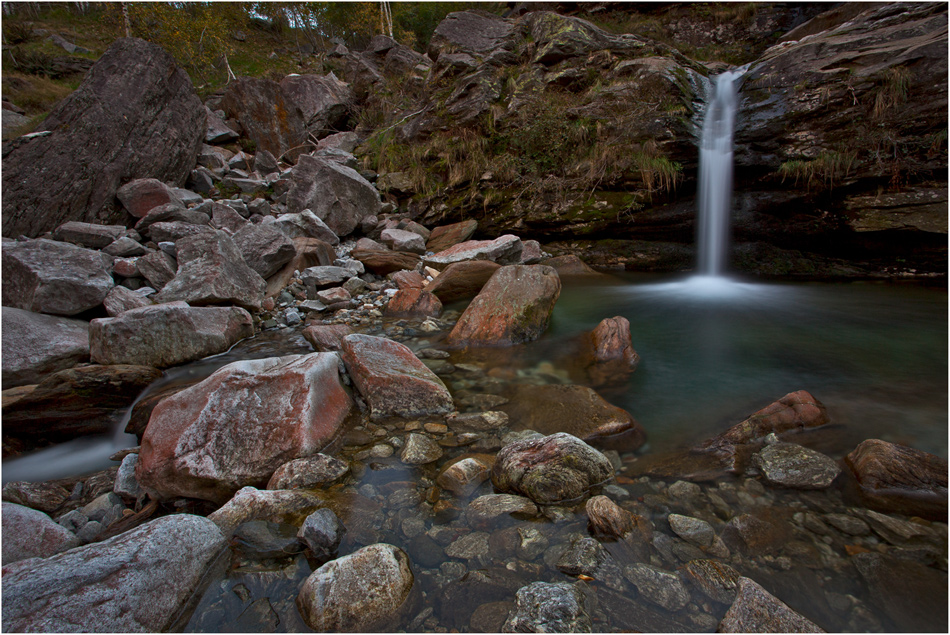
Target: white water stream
point(715, 174)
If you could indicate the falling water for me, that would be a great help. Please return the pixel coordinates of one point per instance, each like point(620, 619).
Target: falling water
point(715, 174)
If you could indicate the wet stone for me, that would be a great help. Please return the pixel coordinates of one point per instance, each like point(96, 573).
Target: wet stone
point(531, 542)
point(663, 588)
point(322, 533)
point(543, 607)
point(755, 610)
point(684, 490)
point(485, 509)
point(419, 450)
point(265, 540)
point(795, 466)
point(469, 547)
point(463, 477)
point(692, 530)
point(717, 580)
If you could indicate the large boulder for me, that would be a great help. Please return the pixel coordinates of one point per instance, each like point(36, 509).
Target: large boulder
point(46, 276)
point(35, 345)
point(211, 270)
point(549, 470)
point(141, 196)
point(279, 409)
point(477, 35)
point(505, 250)
point(167, 334)
point(28, 533)
point(304, 224)
point(268, 117)
point(101, 136)
point(337, 195)
point(577, 410)
point(324, 101)
point(88, 235)
point(370, 590)
point(513, 307)
point(445, 236)
point(78, 401)
point(139, 581)
point(893, 477)
point(264, 248)
point(462, 280)
point(383, 262)
point(392, 379)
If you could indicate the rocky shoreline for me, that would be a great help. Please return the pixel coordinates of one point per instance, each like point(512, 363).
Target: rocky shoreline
point(387, 480)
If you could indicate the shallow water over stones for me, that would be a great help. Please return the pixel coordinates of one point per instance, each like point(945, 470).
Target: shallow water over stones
point(470, 550)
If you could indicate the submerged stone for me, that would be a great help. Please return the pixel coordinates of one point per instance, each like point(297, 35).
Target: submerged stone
point(795, 466)
point(545, 607)
point(755, 610)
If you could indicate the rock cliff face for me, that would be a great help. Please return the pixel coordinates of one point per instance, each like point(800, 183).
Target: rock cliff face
point(136, 115)
point(549, 126)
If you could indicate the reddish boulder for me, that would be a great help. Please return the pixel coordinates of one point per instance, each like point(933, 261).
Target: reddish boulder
point(409, 280)
point(462, 280)
point(610, 341)
point(278, 409)
point(269, 118)
point(326, 338)
point(896, 478)
point(513, 307)
point(392, 380)
point(35, 344)
point(141, 196)
point(413, 303)
point(793, 412)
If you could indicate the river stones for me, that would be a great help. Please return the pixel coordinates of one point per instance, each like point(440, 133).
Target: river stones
point(419, 449)
point(279, 409)
point(610, 341)
point(369, 590)
point(755, 610)
point(35, 344)
point(138, 581)
point(795, 466)
point(552, 469)
point(549, 607)
point(607, 519)
point(513, 307)
point(577, 410)
point(46, 497)
point(29, 533)
point(392, 380)
point(167, 334)
point(717, 581)
point(483, 511)
point(47, 276)
point(894, 477)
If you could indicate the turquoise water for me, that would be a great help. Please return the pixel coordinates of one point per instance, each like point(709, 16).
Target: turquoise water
point(713, 352)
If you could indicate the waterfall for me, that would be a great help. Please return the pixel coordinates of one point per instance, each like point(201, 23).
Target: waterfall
point(715, 174)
